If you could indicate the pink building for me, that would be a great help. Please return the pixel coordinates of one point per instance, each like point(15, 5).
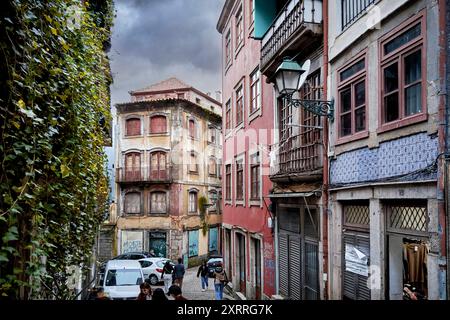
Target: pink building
point(248, 119)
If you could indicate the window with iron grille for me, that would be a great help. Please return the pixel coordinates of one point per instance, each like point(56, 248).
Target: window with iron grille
point(408, 218)
point(254, 177)
point(356, 215)
point(239, 106)
point(239, 180)
point(228, 182)
point(255, 91)
point(351, 10)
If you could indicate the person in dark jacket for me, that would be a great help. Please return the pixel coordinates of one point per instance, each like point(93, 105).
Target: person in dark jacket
point(178, 273)
point(158, 295)
point(203, 273)
point(175, 292)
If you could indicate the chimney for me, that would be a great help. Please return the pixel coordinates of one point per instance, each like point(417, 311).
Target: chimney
point(219, 95)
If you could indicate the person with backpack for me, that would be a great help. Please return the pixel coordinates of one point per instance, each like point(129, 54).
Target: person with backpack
point(166, 276)
point(220, 281)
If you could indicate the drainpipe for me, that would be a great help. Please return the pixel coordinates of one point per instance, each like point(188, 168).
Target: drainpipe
point(325, 154)
point(442, 168)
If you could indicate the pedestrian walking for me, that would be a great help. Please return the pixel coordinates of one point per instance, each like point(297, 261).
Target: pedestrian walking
point(175, 292)
point(159, 295)
point(220, 281)
point(203, 273)
point(178, 273)
point(166, 276)
point(146, 292)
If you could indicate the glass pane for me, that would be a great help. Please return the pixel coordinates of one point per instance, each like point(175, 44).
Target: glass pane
point(360, 93)
point(311, 226)
point(413, 99)
point(391, 78)
point(402, 39)
point(413, 70)
point(360, 119)
point(346, 100)
point(347, 73)
point(346, 124)
point(391, 107)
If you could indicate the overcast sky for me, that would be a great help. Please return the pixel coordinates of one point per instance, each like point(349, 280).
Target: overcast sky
point(155, 39)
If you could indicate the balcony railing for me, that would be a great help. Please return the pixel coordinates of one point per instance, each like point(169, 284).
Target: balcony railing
point(143, 174)
point(353, 9)
point(295, 16)
point(299, 157)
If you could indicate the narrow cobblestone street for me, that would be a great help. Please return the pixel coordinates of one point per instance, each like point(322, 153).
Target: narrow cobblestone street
point(192, 288)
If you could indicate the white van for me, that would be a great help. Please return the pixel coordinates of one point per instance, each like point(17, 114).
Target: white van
point(122, 279)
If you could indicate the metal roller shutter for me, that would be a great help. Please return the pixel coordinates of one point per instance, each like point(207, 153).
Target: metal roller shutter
point(355, 285)
point(295, 268)
point(283, 264)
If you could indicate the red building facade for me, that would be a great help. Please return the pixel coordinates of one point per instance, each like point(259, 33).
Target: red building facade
point(248, 122)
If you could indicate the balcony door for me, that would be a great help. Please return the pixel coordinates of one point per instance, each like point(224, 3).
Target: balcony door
point(132, 166)
point(158, 165)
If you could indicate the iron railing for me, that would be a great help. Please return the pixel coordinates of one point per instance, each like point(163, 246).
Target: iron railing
point(298, 154)
point(291, 19)
point(144, 174)
point(352, 10)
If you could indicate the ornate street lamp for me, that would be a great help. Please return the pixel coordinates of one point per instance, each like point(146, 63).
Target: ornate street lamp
point(288, 79)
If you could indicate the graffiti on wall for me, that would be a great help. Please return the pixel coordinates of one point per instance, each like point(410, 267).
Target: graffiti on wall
point(131, 246)
point(193, 243)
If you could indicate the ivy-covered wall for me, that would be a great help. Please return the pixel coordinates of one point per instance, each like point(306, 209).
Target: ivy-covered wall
point(54, 112)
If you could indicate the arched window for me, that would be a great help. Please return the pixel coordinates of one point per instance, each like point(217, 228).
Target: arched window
point(212, 167)
point(158, 124)
point(133, 127)
point(193, 201)
point(158, 165)
point(158, 202)
point(192, 129)
point(133, 203)
point(212, 195)
point(132, 166)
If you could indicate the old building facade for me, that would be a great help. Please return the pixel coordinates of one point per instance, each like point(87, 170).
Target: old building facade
point(168, 155)
point(247, 121)
point(387, 221)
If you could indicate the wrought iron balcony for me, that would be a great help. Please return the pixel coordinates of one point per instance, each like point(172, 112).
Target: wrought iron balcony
point(298, 159)
point(143, 174)
point(298, 25)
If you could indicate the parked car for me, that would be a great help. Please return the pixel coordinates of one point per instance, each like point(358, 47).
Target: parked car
point(128, 256)
point(122, 279)
point(212, 263)
point(152, 269)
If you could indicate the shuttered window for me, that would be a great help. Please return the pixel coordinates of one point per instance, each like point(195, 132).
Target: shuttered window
point(133, 127)
point(133, 166)
point(355, 285)
point(193, 167)
point(193, 202)
point(212, 167)
point(158, 124)
point(158, 202)
point(133, 203)
point(158, 165)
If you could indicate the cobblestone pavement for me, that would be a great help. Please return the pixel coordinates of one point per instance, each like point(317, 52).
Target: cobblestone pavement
point(192, 287)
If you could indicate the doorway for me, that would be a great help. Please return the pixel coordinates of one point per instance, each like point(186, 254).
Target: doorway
point(256, 266)
point(158, 244)
point(240, 263)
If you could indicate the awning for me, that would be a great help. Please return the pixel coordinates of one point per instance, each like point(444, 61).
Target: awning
point(292, 194)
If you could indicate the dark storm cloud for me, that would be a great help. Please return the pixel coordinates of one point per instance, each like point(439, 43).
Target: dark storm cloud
point(155, 39)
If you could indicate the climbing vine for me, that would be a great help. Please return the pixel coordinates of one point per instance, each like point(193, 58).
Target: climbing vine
point(202, 205)
point(54, 115)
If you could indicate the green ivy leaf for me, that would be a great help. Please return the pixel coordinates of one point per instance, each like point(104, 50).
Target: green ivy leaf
point(65, 171)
